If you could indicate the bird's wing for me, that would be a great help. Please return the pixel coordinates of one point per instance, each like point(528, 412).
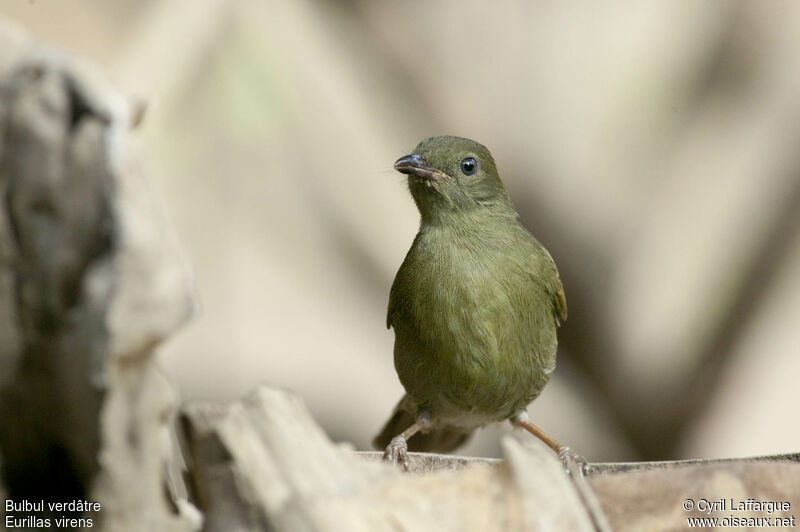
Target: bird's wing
point(560, 301)
point(554, 287)
point(399, 285)
point(390, 309)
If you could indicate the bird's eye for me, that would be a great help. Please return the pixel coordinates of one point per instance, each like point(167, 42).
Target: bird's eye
point(468, 165)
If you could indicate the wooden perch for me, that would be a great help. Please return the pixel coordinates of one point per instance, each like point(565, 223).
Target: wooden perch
point(266, 454)
point(264, 464)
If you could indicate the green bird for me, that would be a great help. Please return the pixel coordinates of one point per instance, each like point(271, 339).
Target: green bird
point(475, 306)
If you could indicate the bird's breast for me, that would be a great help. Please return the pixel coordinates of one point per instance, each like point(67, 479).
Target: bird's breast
point(465, 338)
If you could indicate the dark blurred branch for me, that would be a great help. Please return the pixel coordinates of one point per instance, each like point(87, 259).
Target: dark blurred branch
point(655, 428)
point(655, 422)
point(765, 265)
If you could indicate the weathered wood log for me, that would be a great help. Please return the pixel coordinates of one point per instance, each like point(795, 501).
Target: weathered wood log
point(264, 464)
point(90, 282)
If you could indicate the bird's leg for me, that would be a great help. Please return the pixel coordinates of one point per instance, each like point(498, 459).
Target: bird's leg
point(397, 450)
point(567, 456)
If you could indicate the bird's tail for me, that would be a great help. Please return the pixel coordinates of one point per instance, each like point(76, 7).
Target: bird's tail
point(439, 439)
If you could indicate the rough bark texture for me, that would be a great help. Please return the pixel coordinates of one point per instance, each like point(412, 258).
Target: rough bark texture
point(651, 497)
point(90, 282)
point(264, 464)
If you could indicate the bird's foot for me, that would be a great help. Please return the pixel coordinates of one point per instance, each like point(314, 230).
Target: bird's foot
point(397, 451)
point(573, 461)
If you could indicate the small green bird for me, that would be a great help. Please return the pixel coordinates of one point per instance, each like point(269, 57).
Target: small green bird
point(474, 306)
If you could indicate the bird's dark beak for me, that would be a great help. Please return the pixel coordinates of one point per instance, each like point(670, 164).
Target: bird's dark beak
point(414, 164)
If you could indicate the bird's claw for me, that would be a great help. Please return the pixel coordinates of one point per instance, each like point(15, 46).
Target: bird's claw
point(569, 458)
point(397, 451)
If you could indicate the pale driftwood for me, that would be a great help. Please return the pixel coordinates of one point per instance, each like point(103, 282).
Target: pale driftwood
point(90, 282)
point(264, 464)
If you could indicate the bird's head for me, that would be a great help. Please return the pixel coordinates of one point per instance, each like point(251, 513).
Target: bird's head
point(452, 174)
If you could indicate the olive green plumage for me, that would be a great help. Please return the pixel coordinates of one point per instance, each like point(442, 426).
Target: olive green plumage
point(475, 304)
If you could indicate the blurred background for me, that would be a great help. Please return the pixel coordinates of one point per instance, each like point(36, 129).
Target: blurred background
point(653, 147)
